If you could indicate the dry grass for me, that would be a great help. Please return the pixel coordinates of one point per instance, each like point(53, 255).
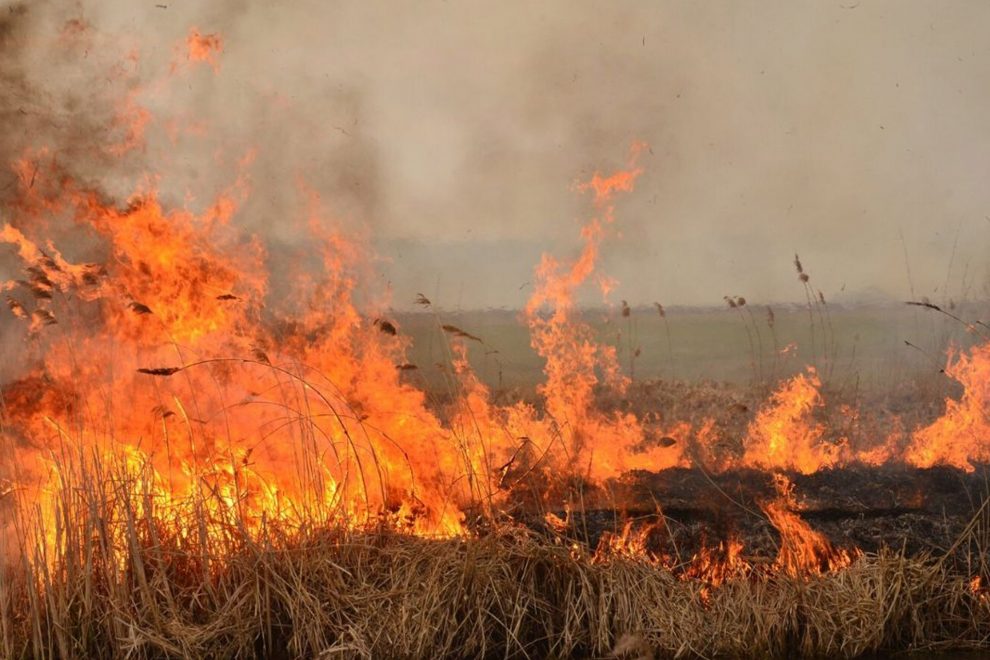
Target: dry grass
point(123, 577)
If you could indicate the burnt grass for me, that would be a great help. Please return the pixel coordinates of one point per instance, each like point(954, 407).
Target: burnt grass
point(914, 511)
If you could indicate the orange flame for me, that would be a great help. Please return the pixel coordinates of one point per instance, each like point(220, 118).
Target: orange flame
point(604, 443)
point(960, 437)
point(803, 551)
point(190, 379)
point(171, 359)
point(785, 435)
point(204, 48)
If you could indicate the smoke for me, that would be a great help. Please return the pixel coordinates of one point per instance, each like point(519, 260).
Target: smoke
point(450, 134)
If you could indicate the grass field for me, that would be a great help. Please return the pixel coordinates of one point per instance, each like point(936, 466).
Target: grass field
point(124, 568)
point(282, 491)
point(851, 346)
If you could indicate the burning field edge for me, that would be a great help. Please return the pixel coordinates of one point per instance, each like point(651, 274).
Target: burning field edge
point(124, 582)
point(211, 452)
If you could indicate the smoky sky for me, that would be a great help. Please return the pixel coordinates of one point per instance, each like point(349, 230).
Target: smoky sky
point(450, 135)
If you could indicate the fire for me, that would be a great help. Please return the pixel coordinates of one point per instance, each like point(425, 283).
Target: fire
point(189, 414)
point(716, 565)
point(573, 358)
point(785, 435)
point(803, 551)
point(978, 589)
point(712, 565)
point(632, 542)
point(164, 358)
point(170, 357)
point(131, 122)
point(172, 318)
point(204, 48)
point(960, 437)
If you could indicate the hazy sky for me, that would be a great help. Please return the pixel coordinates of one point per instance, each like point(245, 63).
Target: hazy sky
point(454, 131)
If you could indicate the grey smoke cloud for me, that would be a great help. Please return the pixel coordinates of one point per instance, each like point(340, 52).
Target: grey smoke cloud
point(453, 132)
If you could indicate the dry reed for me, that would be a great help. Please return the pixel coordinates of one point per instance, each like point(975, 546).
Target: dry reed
point(123, 575)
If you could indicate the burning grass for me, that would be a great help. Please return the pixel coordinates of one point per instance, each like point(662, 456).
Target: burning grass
point(202, 466)
point(302, 497)
point(122, 576)
point(200, 476)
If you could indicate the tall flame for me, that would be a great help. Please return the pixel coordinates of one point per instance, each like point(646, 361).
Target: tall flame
point(961, 436)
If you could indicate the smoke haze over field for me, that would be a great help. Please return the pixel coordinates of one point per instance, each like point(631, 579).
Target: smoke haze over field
point(453, 133)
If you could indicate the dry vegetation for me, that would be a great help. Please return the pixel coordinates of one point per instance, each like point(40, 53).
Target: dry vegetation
point(201, 471)
point(375, 519)
point(126, 567)
point(122, 576)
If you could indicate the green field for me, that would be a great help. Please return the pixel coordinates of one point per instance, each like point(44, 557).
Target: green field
point(862, 347)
